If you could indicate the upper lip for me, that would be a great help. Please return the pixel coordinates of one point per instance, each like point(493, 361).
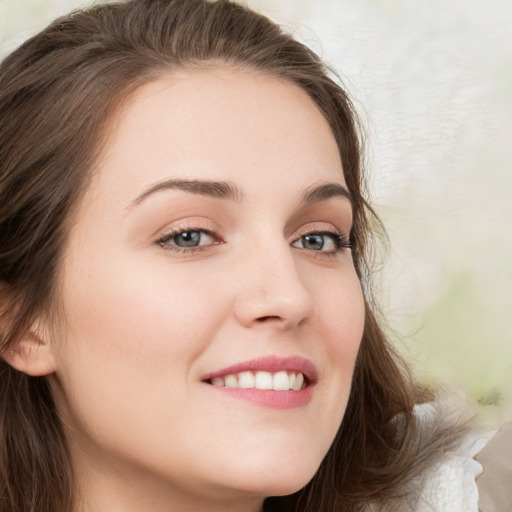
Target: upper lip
point(270, 364)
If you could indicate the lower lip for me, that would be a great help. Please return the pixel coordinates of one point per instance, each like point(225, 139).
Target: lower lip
point(270, 398)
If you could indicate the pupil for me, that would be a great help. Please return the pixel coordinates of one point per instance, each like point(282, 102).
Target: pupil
point(315, 242)
point(187, 239)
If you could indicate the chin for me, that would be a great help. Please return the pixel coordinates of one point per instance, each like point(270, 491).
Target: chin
point(278, 464)
point(276, 479)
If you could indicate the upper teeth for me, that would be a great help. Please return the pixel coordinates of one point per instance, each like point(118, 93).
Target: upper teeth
point(278, 381)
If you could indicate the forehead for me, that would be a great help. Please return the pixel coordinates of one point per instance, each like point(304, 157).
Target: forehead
point(222, 124)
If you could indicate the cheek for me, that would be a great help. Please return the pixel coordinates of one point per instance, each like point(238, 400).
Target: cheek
point(342, 315)
point(143, 308)
point(131, 337)
point(345, 325)
point(132, 328)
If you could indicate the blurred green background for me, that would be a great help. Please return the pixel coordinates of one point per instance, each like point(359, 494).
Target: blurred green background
point(433, 83)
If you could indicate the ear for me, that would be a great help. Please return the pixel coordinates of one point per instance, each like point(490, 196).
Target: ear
point(30, 354)
point(31, 351)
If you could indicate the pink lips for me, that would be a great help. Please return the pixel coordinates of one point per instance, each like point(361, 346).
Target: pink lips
point(270, 398)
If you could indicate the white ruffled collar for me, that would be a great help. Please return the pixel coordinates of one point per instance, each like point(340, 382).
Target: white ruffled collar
point(450, 484)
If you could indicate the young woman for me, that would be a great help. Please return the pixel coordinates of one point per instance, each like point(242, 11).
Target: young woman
point(186, 314)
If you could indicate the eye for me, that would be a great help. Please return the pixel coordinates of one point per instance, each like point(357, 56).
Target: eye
point(324, 241)
point(187, 240)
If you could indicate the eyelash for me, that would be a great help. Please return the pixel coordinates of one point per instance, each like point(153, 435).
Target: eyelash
point(341, 242)
point(164, 240)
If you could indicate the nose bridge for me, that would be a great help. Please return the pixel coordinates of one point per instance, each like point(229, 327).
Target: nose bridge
point(270, 285)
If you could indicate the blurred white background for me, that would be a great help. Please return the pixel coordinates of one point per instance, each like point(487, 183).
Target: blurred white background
point(433, 83)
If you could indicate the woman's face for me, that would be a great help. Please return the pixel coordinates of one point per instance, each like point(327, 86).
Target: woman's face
point(208, 256)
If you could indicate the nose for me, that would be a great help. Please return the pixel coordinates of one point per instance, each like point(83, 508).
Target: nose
point(271, 290)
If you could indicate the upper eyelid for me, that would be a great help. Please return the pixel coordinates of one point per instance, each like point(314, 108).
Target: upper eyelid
point(333, 230)
point(174, 232)
point(169, 234)
point(200, 223)
point(320, 227)
point(187, 225)
point(335, 234)
point(213, 230)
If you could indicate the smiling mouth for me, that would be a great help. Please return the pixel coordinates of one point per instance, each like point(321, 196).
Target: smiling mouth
point(272, 382)
point(262, 380)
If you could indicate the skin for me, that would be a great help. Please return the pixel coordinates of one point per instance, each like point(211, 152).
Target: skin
point(143, 323)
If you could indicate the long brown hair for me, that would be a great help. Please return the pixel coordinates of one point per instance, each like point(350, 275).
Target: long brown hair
point(57, 94)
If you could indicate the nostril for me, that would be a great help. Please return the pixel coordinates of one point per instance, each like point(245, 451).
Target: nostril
point(267, 318)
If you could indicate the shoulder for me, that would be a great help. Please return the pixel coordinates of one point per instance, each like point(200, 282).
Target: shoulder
point(495, 481)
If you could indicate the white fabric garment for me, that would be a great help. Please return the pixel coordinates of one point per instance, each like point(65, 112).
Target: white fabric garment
point(450, 485)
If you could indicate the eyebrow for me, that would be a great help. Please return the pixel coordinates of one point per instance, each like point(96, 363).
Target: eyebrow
point(325, 191)
point(216, 189)
point(230, 191)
